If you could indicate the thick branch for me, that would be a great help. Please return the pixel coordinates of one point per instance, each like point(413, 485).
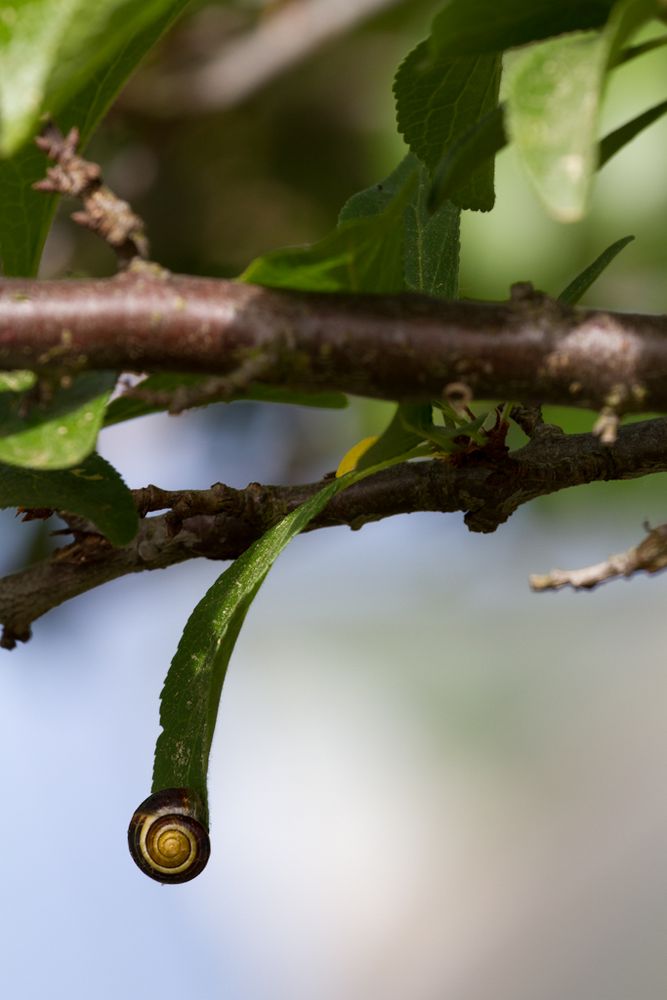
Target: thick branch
point(221, 522)
point(394, 347)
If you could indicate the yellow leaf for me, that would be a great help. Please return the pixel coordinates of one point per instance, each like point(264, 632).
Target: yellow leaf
point(349, 460)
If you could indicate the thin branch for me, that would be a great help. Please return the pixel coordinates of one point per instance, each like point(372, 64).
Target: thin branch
point(103, 211)
point(650, 556)
point(222, 522)
point(393, 347)
point(281, 39)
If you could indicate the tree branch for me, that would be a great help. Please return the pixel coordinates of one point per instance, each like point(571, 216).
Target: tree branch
point(650, 556)
point(393, 347)
point(220, 523)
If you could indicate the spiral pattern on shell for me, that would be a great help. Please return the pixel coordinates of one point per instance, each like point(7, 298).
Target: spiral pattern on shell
point(167, 836)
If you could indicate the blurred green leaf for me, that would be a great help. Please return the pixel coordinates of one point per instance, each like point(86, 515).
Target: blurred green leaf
point(580, 285)
point(553, 102)
point(69, 58)
point(397, 438)
point(438, 98)
point(471, 27)
point(58, 433)
point(93, 489)
point(127, 408)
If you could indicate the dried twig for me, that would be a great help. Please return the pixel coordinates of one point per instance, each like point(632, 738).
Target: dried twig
point(103, 212)
point(650, 556)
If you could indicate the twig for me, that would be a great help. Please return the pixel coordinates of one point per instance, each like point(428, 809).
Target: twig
point(399, 347)
point(650, 556)
point(220, 523)
point(103, 212)
point(284, 37)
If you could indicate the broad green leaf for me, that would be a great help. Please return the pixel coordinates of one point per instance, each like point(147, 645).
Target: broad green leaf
point(553, 100)
point(127, 407)
point(620, 137)
point(192, 690)
point(580, 285)
point(58, 433)
point(480, 143)
point(72, 57)
point(397, 438)
point(364, 253)
point(432, 244)
point(92, 489)
point(438, 98)
point(471, 27)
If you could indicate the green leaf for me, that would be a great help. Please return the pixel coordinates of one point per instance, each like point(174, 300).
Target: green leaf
point(438, 98)
point(554, 96)
point(471, 27)
point(397, 438)
point(580, 285)
point(93, 490)
point(364, 253)
point(192, 690)
point(620, 137)
point(432, 244)
point(480, 143)
point(127, 407)
point(70, 58)
point(57, 434)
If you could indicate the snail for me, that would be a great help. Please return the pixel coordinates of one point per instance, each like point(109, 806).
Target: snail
point(167, 835)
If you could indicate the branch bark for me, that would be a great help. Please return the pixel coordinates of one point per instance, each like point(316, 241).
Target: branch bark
point(220, 523)
point(393, 347)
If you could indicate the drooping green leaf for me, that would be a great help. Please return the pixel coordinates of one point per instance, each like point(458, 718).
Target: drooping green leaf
point(580, 285)
point(553, 102)
point(58, 433)
point(471, 27)
point(438, 98)
point(192, 690)
point(620, 137)
point(72, 57)
point(364, 253)
point(92, 489)
point(128, 407)
point(432, 244)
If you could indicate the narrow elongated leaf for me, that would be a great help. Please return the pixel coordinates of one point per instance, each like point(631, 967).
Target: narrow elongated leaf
point(553, 102)
point(438, 98)
point(471, 27)
point(364, 253)
point(191, 692)
point(93, 489)
point(56, 434)
point(620, 137)
point(128, 407)
point(580, 285)
point(76, 57)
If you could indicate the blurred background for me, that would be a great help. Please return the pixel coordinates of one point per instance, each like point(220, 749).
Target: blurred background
point(426, 781)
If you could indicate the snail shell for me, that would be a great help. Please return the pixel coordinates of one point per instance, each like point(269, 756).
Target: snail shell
point(167, 836)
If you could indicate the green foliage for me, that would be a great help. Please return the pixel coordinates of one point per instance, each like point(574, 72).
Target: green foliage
point(57, 433)
point(554, 96)
point(580, 285)
point(438, 97)
point(93, 489)
point(67, 58)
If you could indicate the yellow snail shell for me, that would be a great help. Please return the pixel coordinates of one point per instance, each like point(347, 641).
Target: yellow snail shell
point(167, 836)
